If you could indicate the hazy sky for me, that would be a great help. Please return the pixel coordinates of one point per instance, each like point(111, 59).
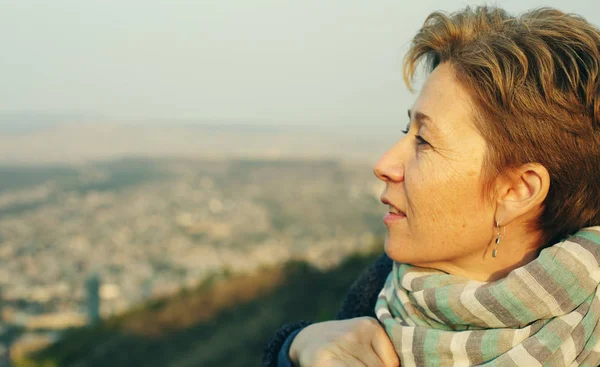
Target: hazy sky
point(243, 61)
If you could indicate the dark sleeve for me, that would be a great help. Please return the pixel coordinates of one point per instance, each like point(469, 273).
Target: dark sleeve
point(283, 360)
point(277, 341)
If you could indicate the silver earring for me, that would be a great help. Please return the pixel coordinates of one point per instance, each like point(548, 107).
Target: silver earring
point(498, 236)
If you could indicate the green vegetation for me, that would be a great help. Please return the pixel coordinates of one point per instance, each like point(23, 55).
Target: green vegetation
point(223, 322)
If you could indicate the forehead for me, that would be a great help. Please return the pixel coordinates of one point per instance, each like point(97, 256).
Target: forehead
point(445, 102)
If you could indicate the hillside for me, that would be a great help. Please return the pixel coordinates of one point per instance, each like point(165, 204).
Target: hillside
point(223, 322)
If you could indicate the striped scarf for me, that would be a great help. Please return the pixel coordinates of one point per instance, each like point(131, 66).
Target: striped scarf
point(546, 313)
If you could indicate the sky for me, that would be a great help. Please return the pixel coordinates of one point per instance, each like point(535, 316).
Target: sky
point(254, 62)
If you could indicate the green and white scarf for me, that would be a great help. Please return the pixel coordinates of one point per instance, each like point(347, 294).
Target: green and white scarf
point(546, 313)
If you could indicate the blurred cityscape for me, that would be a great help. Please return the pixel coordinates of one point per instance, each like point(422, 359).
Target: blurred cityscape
point(80, 242)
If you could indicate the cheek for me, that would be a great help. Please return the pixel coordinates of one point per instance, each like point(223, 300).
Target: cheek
point(442, 197)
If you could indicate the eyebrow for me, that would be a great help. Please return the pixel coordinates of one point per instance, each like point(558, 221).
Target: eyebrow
point(422, 119)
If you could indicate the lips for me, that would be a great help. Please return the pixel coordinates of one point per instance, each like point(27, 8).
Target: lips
point(388, 202)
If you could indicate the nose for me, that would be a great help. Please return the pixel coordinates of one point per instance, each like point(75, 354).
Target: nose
point(390, 167)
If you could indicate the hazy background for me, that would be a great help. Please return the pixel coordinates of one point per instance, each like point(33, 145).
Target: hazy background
point(327, 65)
point(162, 162)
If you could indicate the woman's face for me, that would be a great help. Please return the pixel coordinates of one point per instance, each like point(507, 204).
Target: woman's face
point(433, 177)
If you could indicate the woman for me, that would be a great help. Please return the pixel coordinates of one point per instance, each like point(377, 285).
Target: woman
point(492, 197)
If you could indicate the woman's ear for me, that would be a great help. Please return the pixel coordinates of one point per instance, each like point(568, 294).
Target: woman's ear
point(521, 192)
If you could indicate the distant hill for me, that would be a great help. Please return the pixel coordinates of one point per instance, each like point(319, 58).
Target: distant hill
point(64, 141)
point(223, 322)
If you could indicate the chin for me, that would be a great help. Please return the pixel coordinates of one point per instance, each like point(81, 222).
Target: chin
point(394, 251)
point(403, 252)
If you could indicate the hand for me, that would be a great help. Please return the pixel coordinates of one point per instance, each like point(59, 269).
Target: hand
point(357, 342)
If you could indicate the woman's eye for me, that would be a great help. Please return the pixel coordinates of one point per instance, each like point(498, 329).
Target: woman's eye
point(420, 140)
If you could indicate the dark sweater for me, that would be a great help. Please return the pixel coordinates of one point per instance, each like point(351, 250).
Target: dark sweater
point(359, 301)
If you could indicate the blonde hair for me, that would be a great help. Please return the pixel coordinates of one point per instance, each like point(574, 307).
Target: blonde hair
point(535, 84)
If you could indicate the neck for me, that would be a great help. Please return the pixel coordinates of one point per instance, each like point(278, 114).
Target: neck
point(514, 251)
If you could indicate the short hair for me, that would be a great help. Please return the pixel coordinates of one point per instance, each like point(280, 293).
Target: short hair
point(535, 84)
